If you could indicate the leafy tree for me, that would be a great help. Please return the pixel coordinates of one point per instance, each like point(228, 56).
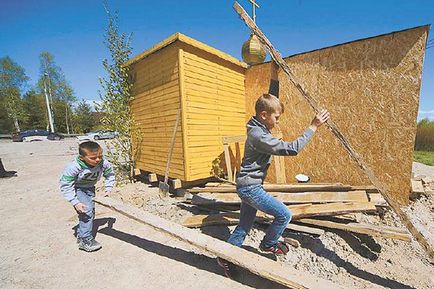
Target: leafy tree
point(115, 96)
point(58, 89)
point(425, 135)
point(12, 79)
point(83, 118)
point(36, 110)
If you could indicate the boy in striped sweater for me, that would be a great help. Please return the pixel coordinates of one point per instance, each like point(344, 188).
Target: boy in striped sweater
point(77, 185)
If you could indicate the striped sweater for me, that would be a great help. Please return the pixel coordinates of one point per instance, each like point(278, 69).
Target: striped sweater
point(78, 174)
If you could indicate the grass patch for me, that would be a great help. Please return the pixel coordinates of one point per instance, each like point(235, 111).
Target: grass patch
point(424, 157)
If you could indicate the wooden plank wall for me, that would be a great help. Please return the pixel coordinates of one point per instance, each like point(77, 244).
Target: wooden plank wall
point(156, 102)
point(371, 87)
point(214, 107)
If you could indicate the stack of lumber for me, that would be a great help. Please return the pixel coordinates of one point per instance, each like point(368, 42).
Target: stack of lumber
point(307, 202)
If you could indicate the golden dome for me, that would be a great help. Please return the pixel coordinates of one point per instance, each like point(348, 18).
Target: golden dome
point(253, 51)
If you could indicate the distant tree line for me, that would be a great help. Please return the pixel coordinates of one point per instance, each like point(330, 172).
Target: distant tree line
point(425, 135)
point(24, 106)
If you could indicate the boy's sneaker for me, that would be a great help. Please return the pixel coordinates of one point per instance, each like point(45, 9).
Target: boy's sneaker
point(280, 248)
point(89, 244)
point(227, 267)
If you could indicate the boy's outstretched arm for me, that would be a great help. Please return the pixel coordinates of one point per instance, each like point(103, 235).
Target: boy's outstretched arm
point(268, 144)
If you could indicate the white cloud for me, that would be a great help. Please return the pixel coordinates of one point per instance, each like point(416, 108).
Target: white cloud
point(426, 114)
point(426, 111)
point(92, 102)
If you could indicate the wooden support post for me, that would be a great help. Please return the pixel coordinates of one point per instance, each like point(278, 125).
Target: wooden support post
point(175, 183)
point(227, 140)
point(228, 161)
point(277, 57)
point(279, 163)
point(152, 178)
point(254, 263)
point(137, 172)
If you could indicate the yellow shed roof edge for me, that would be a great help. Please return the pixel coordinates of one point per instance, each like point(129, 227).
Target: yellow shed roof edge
point(190, 41)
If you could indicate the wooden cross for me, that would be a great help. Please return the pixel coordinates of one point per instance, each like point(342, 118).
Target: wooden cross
point(254, 5)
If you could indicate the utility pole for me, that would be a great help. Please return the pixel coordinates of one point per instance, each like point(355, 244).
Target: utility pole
point(50, 116)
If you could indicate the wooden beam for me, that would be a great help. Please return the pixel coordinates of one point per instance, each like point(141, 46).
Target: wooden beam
point(367, 188)
point(228, 162)
point(291, 226)
point(232, 139)
point(357, 158)
point(298, 212)
point(304, 229)
point(287, 198)
point(254, 263)
point(330, 209)
point(372, 230)
point(277, 188)
point(293, 242)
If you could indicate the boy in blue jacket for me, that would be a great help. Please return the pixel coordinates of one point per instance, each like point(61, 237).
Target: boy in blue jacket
point(259, 147)
point(77, 185)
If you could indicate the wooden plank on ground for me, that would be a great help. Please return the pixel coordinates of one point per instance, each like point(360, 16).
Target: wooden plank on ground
point(291, 226)
point(254, 263)
point(377, 199)
point(367, 188)
point(330, 209)
point(372, 230)
point(298, 212)
point(293, 242)
point(304, 229)
point(287, 198)
point(277, 188)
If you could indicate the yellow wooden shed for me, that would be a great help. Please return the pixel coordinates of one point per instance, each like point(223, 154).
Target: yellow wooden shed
point(206, 85)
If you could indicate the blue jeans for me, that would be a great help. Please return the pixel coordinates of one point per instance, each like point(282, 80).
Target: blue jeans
point(254, 198)
point(85, 220)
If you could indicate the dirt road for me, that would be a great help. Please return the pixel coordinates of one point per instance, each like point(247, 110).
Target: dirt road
point(38, 249)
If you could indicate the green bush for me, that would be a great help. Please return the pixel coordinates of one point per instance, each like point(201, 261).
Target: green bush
point(425, 136)
point(426, 158)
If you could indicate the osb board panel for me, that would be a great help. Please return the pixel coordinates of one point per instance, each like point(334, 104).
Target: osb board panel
point(215, 107)
point(156, 102)
point(371, 87)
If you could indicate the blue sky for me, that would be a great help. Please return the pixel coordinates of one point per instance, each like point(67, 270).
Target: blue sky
point(73, 30)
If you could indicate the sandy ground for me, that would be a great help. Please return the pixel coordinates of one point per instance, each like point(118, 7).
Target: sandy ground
point(38, 249)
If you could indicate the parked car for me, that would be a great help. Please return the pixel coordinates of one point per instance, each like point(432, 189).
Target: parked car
point(36, 132)
point(102, 134)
